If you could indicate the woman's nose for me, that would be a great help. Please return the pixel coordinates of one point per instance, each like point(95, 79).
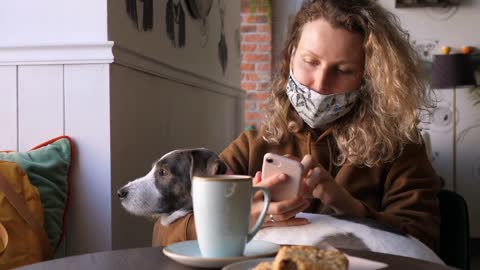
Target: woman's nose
point(321, 81)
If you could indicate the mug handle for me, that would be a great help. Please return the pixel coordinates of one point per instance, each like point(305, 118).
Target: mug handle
point(266, 203)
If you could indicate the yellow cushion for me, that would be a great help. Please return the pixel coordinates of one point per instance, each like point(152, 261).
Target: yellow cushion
point(24, 247)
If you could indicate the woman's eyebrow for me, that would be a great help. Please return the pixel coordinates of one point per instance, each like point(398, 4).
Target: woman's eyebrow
point(339, 62)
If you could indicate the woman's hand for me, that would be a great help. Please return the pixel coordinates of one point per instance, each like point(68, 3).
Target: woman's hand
point(318, 183)
point(280, 213)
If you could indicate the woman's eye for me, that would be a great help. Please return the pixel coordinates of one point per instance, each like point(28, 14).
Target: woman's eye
point(345, 71)
point(311, 62)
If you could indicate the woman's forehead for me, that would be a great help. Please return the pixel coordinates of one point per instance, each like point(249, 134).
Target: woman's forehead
point(321, 39)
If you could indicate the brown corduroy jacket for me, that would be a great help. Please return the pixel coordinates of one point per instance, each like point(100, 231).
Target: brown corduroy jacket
point(402, 193)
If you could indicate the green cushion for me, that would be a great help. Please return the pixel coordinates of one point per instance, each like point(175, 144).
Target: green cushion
point(48, 167)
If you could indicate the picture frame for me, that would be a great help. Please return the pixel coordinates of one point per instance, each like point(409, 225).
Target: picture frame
point(426, 3)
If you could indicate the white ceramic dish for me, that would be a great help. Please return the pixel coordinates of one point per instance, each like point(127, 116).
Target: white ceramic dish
point(355, 263)
point(188, 253)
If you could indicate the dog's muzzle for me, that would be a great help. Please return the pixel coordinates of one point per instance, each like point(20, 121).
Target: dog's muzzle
point(122, 193)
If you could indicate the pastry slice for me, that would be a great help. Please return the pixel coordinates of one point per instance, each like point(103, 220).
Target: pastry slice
point(309, 258)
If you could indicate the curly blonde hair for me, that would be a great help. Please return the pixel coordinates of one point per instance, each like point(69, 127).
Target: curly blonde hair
point(393, 92)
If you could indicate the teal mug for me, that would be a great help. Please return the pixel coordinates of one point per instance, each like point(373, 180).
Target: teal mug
point(221, 204)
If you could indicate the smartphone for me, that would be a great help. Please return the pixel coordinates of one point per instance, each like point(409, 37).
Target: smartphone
point(274, 164)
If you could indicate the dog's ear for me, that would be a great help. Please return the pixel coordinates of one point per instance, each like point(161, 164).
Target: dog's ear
point(205, 162)
point(216, 166)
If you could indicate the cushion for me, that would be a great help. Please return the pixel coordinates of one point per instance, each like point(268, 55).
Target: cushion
point(48, 168)
point(24, 246)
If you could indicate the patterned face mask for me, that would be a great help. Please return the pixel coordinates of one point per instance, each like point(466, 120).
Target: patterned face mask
point(318, 110)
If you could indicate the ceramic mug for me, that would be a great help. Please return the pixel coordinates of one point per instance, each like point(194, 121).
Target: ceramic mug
point(221, 204)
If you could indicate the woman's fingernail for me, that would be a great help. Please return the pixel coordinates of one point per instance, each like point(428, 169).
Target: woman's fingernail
point(283, 176)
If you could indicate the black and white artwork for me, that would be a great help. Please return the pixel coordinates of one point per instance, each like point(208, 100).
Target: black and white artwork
point(147, 23)
point(131, 6)
point(222, 43)
point(175, 23)
point(199, 10)
point(147, 15)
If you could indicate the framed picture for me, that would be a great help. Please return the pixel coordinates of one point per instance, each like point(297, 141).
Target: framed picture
point(426, 3)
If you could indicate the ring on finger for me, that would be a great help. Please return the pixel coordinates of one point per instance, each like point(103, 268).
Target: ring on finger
point(271, 218)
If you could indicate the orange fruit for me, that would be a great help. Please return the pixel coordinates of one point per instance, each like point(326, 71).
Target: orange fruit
point(466, 49)
point(445, 49)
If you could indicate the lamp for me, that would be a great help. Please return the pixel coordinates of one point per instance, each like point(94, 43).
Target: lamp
point(450, 71)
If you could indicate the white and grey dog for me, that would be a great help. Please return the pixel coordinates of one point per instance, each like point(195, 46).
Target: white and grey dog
point(165, 192)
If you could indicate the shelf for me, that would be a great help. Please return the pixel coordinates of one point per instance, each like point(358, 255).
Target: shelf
point(399, 4)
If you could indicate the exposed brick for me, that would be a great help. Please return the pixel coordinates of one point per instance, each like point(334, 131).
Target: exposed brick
point(263, 67)
point(262, 18)
point(264, 86)
point(253, 115)
point(263, 28)
point(264, 47)
point(248, 86)
point(248, 28)
point(250, 106)
point(256, 65)
point(245, 3)
point(247, 67)
point(256, 38)
point(263, 77)
point(256, 57)
point(249, 18)
point(250, 76)
point(258, 96)
point(262, 106)
point(248, 47)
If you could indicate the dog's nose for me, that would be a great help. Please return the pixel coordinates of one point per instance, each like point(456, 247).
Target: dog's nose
point(122, 193)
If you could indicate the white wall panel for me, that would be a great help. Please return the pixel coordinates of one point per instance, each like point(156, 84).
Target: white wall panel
point(468, 156)
point(34, 22)
point(40, 104)
point(87, 121)
point(441, 135)
point(8, 107)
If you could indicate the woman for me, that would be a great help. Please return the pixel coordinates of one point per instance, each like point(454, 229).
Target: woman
point(347, 101)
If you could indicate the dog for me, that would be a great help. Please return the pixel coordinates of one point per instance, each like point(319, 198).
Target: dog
point(165, 192)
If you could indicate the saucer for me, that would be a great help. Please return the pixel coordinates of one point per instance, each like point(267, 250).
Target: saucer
point(354, 263)
point(188, 253)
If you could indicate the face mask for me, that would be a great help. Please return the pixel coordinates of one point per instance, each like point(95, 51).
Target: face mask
point(318, 110)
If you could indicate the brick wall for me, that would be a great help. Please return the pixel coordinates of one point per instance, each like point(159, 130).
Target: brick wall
point(256, 53)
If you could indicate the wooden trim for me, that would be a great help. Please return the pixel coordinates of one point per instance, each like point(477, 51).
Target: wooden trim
point(47, 54)
point(137, 61)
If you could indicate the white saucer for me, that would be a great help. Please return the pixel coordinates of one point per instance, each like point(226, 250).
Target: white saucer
point(188, 253)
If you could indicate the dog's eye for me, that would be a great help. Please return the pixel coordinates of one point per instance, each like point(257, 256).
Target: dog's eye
point(162, 172)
